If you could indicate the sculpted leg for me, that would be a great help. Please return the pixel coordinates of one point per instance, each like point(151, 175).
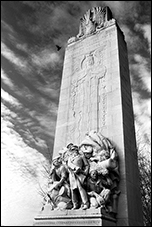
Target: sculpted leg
point(84, 197)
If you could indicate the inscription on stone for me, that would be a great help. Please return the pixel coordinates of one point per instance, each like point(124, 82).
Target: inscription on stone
point(72, 223)
point(102, 101)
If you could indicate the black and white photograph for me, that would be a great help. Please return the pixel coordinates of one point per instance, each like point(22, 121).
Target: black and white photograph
point(75, 113)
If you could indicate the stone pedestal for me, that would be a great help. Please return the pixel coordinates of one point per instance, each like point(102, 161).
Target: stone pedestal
point(90, 217)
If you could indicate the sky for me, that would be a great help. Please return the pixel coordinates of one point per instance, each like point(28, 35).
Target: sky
point(31, 74)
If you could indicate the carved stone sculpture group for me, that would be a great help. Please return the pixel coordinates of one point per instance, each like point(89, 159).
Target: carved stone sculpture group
point(85, 176)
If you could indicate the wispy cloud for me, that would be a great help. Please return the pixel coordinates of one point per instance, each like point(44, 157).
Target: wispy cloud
point(121, 9)
point(45, 58)
point(14, 147)
point(19, 62)
point(146, 29)
point(142, 111)
point(131, 39)
point(141, 69)
point(5, 78)
point(34, 123)
point(7, 97)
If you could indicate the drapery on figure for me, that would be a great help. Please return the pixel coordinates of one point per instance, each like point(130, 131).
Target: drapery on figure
point(103, 159)
point(104, 154)
point(78, 170)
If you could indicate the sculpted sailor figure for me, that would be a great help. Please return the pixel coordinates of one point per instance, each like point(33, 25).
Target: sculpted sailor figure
point(59, 173)
point(59, 188)
point(97, 184)
point(98, 189)
point(78, 170)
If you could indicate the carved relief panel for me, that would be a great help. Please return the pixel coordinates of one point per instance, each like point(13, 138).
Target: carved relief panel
point(88, 94)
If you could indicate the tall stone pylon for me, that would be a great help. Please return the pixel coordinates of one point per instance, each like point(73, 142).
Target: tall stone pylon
point(96, 95)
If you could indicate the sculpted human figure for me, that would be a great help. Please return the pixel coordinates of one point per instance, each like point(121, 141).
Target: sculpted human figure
point(104, 153)
point(103, 159)
point(59, 173)
point(98, 183)
point(59, 189)
point(78, 170)
point(65, 152)
point(99, 194)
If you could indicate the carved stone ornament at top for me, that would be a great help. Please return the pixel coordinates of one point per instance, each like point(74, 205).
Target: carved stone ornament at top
point(92, 21)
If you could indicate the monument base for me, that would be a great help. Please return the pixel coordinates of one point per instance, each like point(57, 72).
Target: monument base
point(89, 217)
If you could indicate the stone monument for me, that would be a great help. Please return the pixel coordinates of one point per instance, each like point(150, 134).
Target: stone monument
point(94, 179)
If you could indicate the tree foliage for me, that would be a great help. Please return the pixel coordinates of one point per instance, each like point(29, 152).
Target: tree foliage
point(144, 163)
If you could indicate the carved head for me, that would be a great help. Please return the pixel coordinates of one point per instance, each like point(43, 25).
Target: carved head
point(94, 174)
point(70, 145)
point(57, 161)
point(74, 150)
point(87, 150)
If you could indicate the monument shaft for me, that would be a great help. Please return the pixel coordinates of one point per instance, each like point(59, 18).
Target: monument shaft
point(96, 95)
point(94, 180)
